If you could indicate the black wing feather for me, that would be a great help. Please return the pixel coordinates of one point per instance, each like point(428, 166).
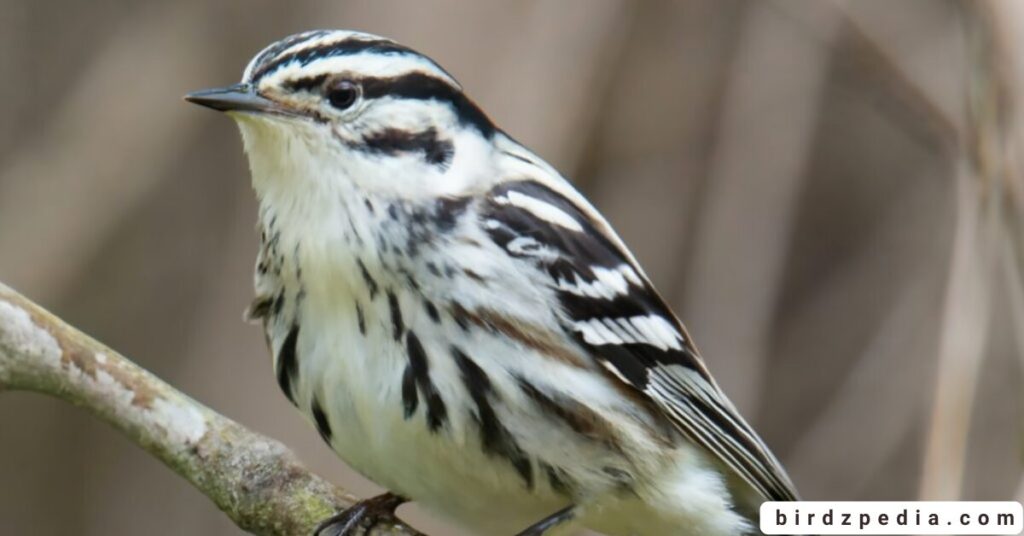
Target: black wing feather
point(654, 355)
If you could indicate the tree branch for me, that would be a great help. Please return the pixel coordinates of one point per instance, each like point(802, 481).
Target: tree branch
point(255, 480)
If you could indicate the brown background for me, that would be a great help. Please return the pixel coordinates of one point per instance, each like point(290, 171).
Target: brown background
point(822, 190)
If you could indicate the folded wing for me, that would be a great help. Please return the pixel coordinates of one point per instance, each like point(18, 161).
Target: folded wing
point(611, 310)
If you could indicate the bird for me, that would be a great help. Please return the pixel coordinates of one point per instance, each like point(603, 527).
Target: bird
point(460, 324)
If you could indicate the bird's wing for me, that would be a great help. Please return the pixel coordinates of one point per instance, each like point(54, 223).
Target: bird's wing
point(614, 313)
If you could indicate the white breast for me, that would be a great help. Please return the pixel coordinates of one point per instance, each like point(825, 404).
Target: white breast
point(341, 253)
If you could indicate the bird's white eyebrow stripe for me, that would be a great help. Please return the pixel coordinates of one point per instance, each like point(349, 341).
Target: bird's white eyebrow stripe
point(541, 209)
point(382, 67)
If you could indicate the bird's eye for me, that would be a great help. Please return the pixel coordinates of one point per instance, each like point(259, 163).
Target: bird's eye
point(342, 94)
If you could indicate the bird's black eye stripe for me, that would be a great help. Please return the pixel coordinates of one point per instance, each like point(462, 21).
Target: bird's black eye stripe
point(422, 86)
point(344, 92)
point(341, 93)
point(306, 83)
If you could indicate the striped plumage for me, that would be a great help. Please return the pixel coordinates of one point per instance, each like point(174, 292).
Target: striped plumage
point(459, 323)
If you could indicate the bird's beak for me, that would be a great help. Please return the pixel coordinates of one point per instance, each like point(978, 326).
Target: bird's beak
point(236, 98)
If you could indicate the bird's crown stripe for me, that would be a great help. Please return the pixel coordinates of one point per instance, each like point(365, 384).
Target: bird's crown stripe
point(305, 55)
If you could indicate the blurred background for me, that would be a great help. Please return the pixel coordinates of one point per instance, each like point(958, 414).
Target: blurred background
point(827, 193)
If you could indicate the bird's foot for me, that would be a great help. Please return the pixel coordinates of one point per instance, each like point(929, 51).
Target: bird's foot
point(362, 516)
point(544, 525)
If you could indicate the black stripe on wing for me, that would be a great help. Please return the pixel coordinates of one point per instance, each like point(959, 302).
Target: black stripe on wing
point(613, 312)
point(599, 289)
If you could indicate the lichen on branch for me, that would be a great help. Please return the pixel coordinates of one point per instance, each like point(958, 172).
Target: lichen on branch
point(253, 479)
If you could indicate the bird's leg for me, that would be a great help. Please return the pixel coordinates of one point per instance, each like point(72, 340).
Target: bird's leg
point(544, 525)
point(362, 515)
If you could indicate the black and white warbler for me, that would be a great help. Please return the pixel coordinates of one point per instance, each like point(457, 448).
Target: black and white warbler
point(459, 323)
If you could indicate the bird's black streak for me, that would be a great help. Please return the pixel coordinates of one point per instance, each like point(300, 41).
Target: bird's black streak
point(393, 141)
point(370, 282)
point(287, 362)
point(360, 319)
point(460, 315)
point(409, 398)
point(495, 438)
point(279, 302)
point(397, 324)
point(320, 419)
point(557, 479)
point(432, 311)
point(448, 211)
point(418, 369)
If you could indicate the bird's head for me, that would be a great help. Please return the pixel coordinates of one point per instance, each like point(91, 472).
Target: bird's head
point(322, 108)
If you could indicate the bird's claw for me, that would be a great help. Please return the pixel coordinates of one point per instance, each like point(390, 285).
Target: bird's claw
point(358, 519)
